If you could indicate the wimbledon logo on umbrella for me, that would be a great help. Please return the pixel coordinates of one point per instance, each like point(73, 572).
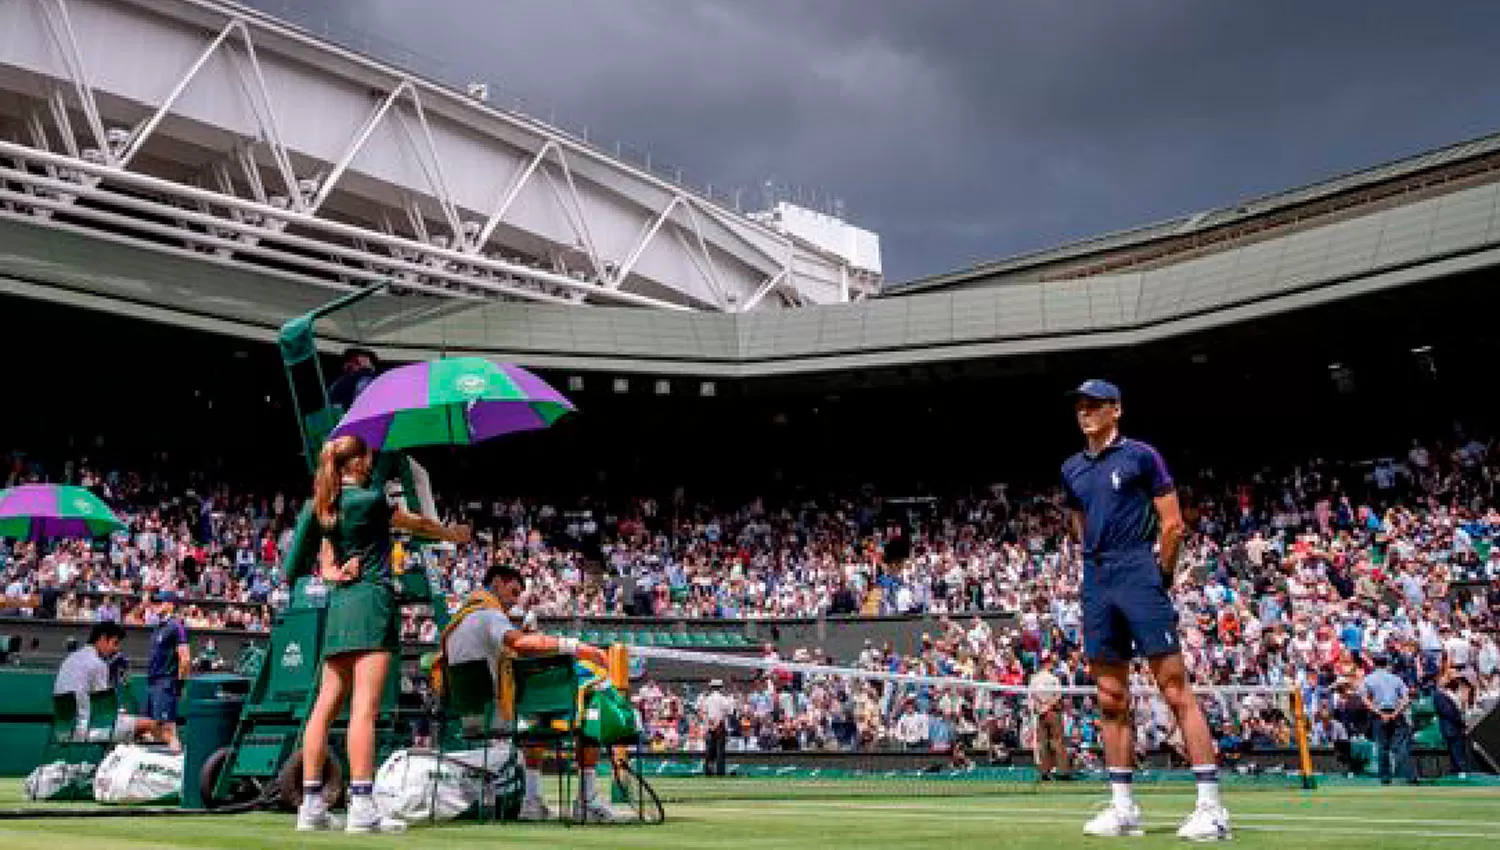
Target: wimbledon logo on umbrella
point(83, 506)
point(472, 384)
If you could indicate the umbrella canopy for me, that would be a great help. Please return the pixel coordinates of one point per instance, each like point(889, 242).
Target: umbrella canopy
point(455, 401)
point(42, 511)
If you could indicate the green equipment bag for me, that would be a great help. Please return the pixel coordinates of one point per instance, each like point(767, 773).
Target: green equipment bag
point(610, 718)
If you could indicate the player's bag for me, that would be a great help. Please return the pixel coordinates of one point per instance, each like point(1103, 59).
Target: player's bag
point(609, 718)
point(415, 785)
point(60, 781)
point(131, 774)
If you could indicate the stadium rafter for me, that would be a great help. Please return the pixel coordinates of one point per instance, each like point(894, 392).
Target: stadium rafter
point(489, 201)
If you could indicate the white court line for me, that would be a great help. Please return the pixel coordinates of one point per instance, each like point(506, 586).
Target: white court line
point(799, 811)
point(1236, 815)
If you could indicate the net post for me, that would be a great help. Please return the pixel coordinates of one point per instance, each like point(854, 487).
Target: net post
point(1300, 729)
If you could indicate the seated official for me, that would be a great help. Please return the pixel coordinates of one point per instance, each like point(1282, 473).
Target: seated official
point(86, 672)
point(482, 630)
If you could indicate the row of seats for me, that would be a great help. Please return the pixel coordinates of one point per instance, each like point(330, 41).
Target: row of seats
point(677, 640)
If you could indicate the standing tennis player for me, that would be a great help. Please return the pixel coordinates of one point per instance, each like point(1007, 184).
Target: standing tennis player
point(1122, 503)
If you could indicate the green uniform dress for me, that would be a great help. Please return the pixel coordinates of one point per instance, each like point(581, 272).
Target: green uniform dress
point(362, 614)
point(392, 472)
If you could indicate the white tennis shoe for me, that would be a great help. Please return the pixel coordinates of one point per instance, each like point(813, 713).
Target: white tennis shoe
point(1115, 820)
point(596, 811)
point(1208, 822)
point(317, 820)
point(533, 811)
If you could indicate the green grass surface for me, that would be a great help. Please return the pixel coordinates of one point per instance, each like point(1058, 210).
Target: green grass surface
point(1367, 818)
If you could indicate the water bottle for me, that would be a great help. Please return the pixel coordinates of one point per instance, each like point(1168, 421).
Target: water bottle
point(317, 592)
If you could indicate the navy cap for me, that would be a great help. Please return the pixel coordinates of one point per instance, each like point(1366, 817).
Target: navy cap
point(1097, 389)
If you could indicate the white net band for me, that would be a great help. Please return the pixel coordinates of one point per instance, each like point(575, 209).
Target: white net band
point(776, 665)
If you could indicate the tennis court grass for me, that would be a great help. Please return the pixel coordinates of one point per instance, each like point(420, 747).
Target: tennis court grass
point(1366, 818)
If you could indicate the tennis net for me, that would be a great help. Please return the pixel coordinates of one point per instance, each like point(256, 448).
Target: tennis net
point(822, 731)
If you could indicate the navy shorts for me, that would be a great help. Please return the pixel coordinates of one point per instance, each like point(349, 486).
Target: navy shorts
point(1129, 615)
point(161, 701)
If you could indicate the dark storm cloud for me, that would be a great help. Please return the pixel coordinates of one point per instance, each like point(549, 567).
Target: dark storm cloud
point(964, 130)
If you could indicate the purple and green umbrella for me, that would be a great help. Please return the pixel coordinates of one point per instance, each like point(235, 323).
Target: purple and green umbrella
point(456, 401)
point(46, 511)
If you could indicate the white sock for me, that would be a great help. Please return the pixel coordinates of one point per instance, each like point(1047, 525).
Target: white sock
point(1208, 784)
point(361, 800)
point(312, 798)
point(534, 784)
point(589, 779)
point(1119, 787)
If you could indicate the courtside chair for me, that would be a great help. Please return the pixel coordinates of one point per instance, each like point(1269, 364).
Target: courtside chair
point(468, 715)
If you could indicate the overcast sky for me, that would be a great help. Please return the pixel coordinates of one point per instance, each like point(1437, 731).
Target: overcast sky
point(968, 130)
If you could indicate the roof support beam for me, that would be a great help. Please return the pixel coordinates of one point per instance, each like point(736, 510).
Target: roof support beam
point(348, 231)
point(640, 247)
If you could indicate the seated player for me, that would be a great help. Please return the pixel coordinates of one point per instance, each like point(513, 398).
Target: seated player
point(482, 629)
point(86, 671)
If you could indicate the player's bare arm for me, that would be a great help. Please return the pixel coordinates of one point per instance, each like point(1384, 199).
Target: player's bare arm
point(1169, 539)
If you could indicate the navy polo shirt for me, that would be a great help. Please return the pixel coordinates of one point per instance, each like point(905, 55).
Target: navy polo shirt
point(164, 642)
point(1115, 491)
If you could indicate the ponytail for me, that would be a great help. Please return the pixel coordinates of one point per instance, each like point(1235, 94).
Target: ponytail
point(328, 483)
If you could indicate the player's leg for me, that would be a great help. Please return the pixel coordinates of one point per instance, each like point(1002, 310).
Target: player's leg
point(1171, 677)
point(370, 670)
point(1106, 641)
point(1113, 679)
point(338, 676)
point(369, 673)
point(1209, 821)
point(1153, 624)
point(534, 804)
point(1122, 816)
point(161, 707)
point(591, 808)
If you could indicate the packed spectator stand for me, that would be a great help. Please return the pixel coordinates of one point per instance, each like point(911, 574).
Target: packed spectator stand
point(1292, 577)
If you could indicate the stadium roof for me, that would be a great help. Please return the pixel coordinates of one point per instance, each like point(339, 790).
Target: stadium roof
point(1476, 160)
point(1427, 218)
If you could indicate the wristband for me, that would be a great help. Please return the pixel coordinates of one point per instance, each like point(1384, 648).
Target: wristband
point(567, 646)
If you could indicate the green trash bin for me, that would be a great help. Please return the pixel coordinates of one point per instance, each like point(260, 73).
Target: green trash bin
point(211, 707)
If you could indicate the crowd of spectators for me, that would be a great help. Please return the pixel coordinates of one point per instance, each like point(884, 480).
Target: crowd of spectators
point(1293, 577)
point(1298, 580)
